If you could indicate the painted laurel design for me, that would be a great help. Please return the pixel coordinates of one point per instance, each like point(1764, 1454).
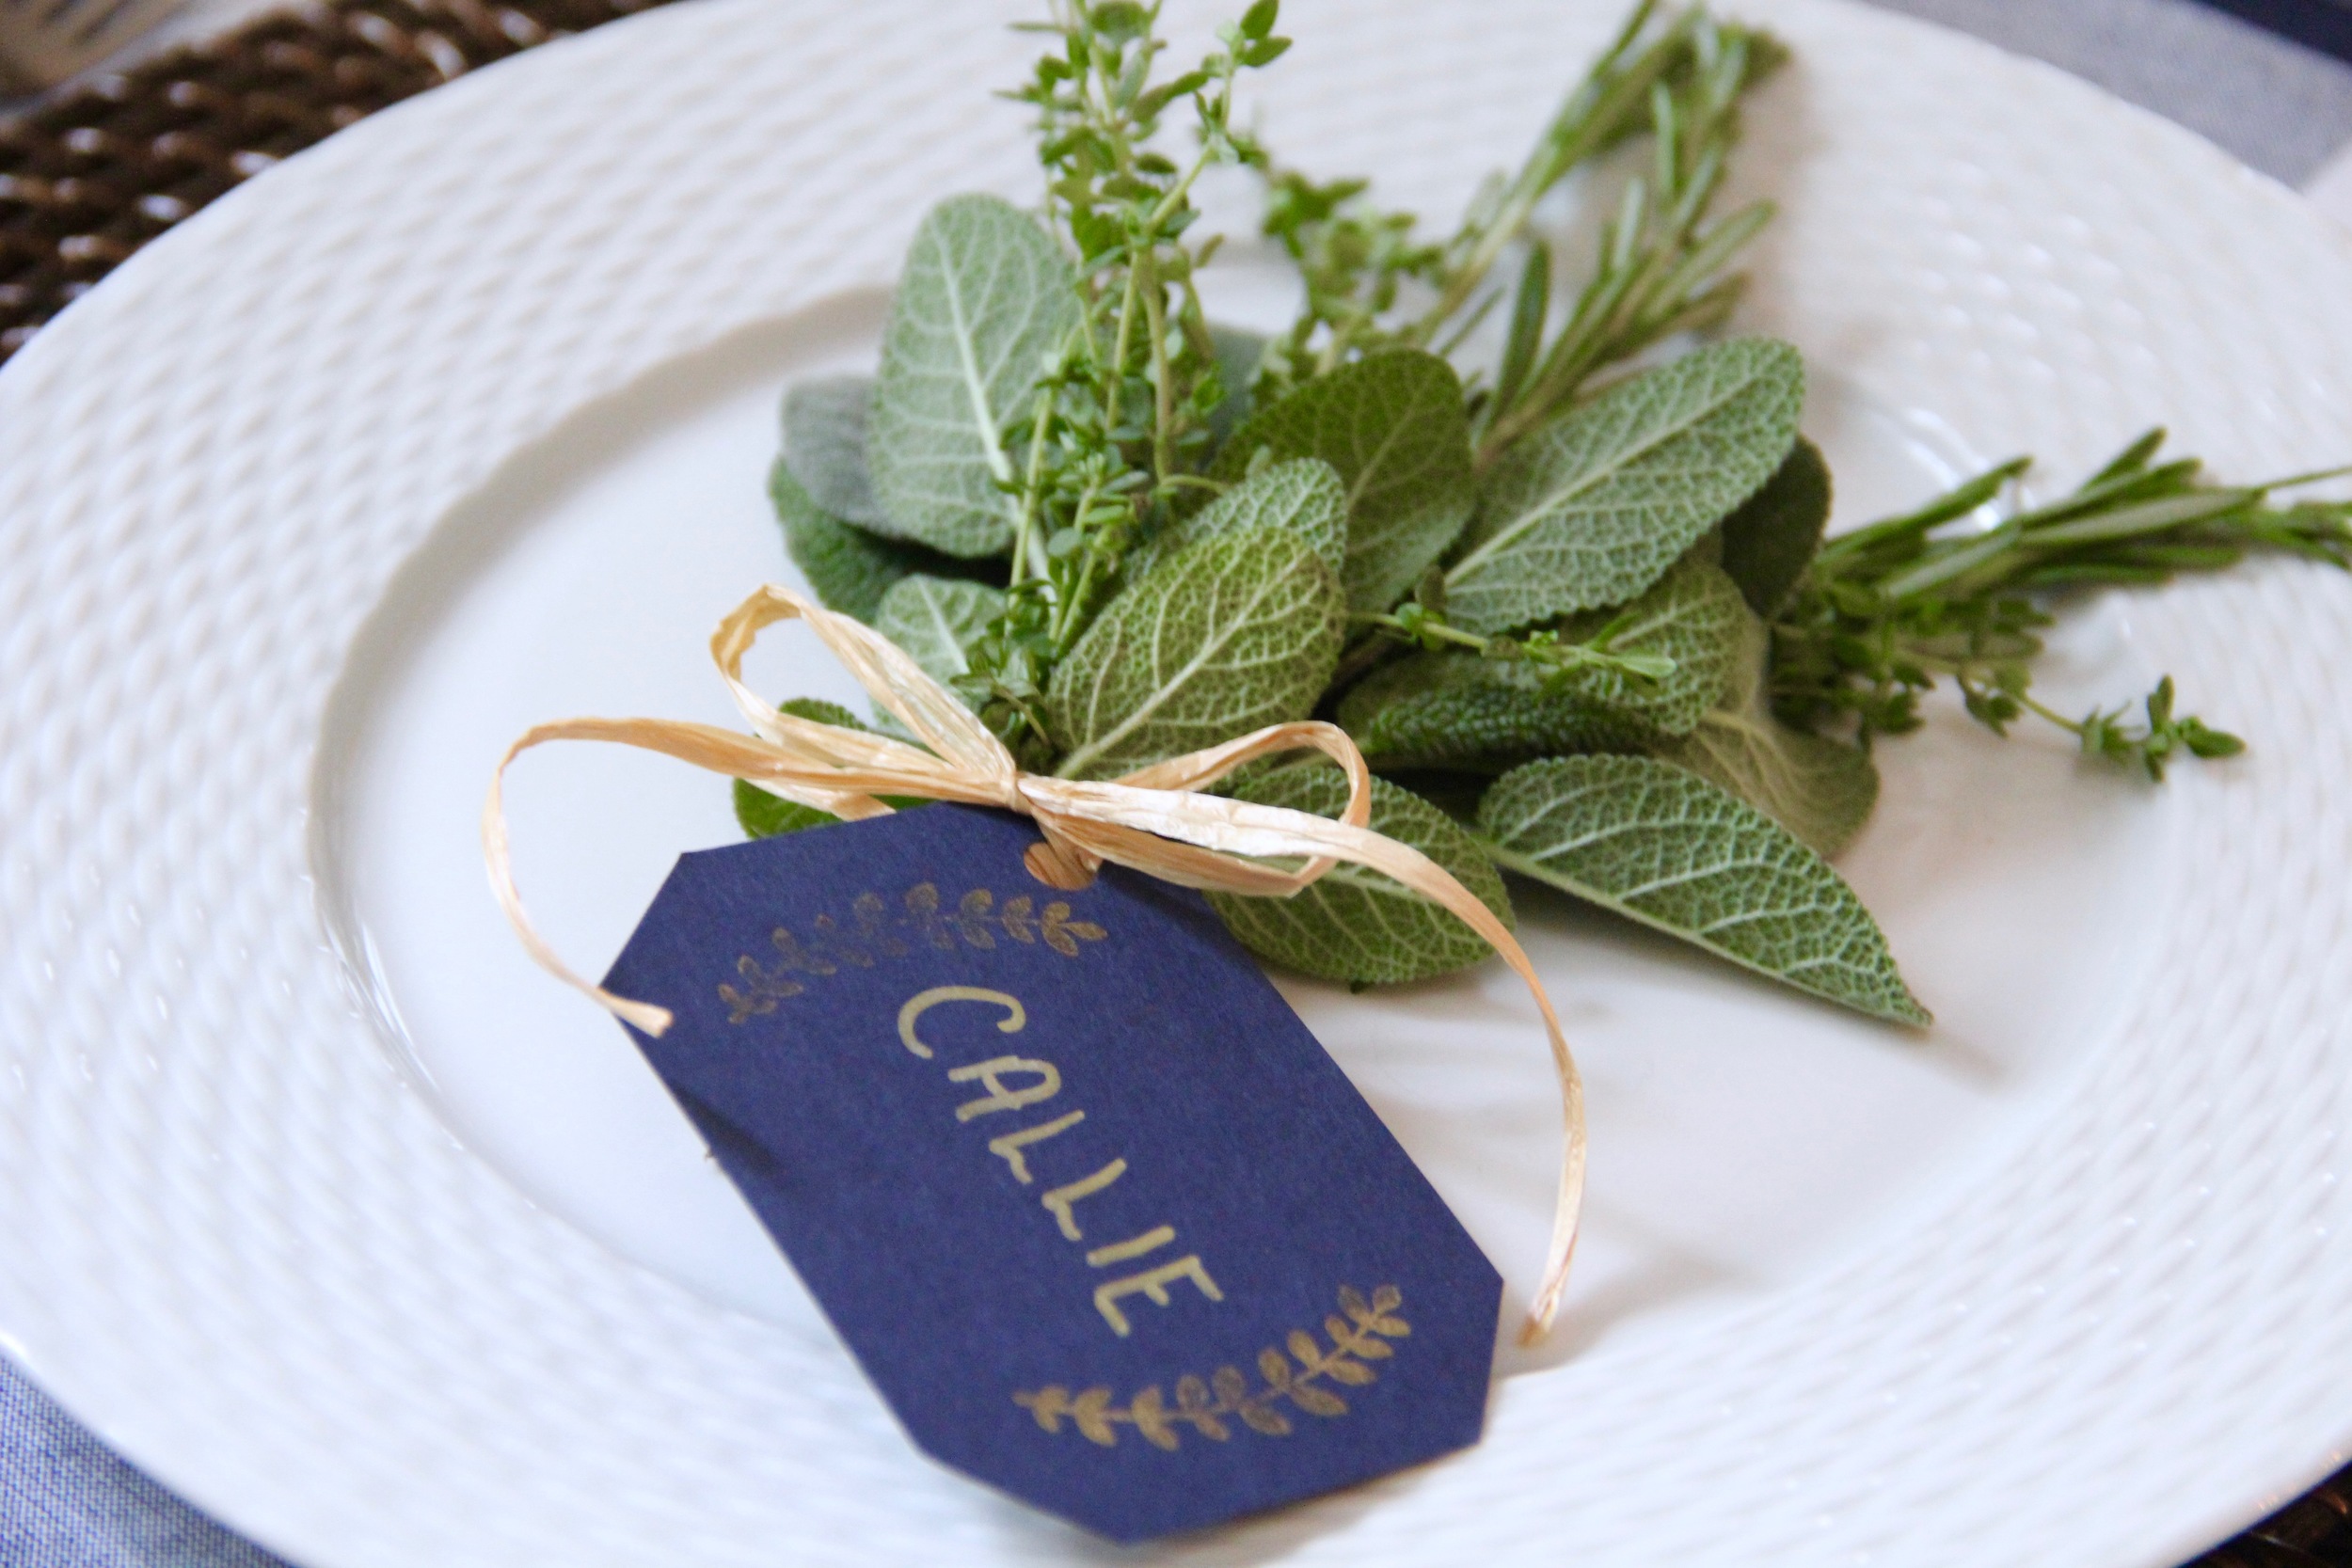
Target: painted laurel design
point(874, 934)
point(1298, 1379)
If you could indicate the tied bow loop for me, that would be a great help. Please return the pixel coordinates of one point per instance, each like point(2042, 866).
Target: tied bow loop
point(1155, 820)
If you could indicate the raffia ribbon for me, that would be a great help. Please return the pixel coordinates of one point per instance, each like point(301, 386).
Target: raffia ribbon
point(1154, 820)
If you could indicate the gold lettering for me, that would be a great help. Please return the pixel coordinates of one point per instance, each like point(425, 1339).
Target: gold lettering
point(1152, 1284)
point(1119, 1252)
point(923, 1002)
point(1008, 1148)
point(992, 1075)
point(1061, 1198)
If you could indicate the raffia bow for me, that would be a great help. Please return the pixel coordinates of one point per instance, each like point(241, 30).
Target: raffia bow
point(1154, 820)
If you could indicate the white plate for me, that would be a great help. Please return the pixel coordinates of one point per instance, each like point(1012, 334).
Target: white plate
point(321, 1204)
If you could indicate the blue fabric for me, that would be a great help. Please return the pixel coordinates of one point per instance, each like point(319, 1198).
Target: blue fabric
point(2318, 23)
point(67, 1502)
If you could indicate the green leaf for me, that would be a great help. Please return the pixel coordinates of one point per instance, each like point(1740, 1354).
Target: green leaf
point(847, 568)
point(1237, 631)
point(986, 299)
point(1590, 510)
point(1820, 789)
point(1303, 497)
point(824, 444)
point(1693, 615)
point(1393, 425)
point(934, 621)
point(1665, 847)
point(1237, 356)
point(1771, 539)
point(1459, 710)
point(765, 816)
point(1356, 924)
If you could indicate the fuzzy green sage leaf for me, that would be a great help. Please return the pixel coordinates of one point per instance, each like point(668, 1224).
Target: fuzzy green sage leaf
point(1394, 428)
point(1302, 496)
point(1821, 789)
point(1237, 631)
point(987, 300)
point(1771, 539)
point(765, 815)
point(1662, 845)
point(824, 444)
point(1355, 924)
point(1459, 710)
point(934, 621)
point(847, 568)
point(1591, 510)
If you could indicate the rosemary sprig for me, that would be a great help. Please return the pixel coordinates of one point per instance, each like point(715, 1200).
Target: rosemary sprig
point(1887, 610)
point(1660, 267)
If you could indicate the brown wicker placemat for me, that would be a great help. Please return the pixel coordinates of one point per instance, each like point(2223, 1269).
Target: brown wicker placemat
point(88, 177)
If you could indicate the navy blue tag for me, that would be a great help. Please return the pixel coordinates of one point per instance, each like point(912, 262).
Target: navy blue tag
point(1094, 1211)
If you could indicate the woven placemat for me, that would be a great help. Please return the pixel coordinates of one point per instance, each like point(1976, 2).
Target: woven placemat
point(91, 175)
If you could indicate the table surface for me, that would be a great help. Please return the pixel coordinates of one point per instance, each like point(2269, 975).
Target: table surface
point(2282, 108)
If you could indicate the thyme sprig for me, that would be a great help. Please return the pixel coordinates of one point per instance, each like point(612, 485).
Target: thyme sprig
point(1414, 624)
point(1118, 420)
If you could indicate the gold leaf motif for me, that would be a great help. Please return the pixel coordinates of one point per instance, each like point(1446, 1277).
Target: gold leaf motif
point(923, 915)
point(762, 990)
point(1013, 915)
point(1063, 934)
point(1360, 1336)
point(1259, 1416)
point(1192, 1400)
point(971, 918)
point(1091, 1412)
point(837, 946)
point(871, 917)
point(1151, 1419)
point(868, 939)
point(1317, 1401)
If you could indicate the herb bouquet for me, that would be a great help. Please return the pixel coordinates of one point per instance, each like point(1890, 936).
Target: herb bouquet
point(1572, 599)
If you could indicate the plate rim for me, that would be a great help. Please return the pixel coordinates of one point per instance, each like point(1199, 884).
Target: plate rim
point(247, 210)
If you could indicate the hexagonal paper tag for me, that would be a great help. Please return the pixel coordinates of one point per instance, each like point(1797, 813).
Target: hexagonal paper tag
point(1095, 1212)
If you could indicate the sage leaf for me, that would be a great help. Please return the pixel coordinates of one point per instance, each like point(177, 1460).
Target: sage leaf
point(1693, 615)
point(1590, 510)
point(1239, 631)
point(824, 444)
point(847, 568)
point(1820, 789)
point(1393, 425)
point(1302, 496)
point(1773, 536)
point(985, 300)
point(765, 815)
point(1662, 845)
point(1237, 356)
point(1356, 924)
point(934, 621)
point(1459, 710)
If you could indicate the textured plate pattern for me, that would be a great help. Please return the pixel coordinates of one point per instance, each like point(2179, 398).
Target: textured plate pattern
point(241, 1248)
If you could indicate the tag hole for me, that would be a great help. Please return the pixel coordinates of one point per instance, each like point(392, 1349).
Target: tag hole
point(1054, 869)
